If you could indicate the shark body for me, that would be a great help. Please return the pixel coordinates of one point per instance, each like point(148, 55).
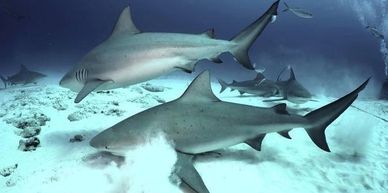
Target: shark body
point(128, 56)
point(24, 76)
point(199, 122)
point(260, 86)
point(290, 90)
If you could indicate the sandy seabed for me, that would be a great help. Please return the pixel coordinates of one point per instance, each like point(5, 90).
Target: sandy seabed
point(61, 164)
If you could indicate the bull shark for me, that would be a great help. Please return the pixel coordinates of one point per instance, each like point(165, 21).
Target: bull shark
point(199, 122)
point(129, 56)
point(291, 90)
point(259, 86)
point(298, 12)
point(24, 76)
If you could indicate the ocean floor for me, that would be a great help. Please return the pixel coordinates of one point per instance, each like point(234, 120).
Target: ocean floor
point(63, 162)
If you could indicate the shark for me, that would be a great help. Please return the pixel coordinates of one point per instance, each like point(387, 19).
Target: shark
point(199, 122)
point(259, 86)
point(298, 12)
point(291, 90)
point(24, 76)
point(130, 56)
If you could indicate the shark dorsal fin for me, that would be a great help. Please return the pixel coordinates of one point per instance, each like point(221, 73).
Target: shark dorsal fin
point(23, 67)
point(210, 33)
point(292, 75)
point(200, 89)
point(259, 76)
point(234, 82)
point(281, 109)
point(125, 24)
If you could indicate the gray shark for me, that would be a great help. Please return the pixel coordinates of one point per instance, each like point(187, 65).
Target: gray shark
point(24, 76)
point(259, 86)
point(375, 32)
point(298, 12)
point(291, 90)
point(199, 122)
point(128, 56)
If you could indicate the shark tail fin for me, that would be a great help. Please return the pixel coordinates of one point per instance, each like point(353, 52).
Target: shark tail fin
point(223, 84)
point(246, 37)
point(325, 115)
point(5, 81)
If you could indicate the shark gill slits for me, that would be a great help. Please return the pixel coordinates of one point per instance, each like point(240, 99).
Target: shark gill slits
point(81, 75)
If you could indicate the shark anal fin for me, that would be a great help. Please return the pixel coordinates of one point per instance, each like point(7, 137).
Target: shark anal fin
point(281, 109)
point(216, 60)
point(285, 134)
point(89, 86)
point(188, 174)
point(255, 143)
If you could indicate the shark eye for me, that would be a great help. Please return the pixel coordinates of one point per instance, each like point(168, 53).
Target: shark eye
point(106, 147)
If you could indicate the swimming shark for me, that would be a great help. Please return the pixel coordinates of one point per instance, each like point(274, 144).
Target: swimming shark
point(291, 90)
point(375, 32)
point(24, 76)
point(129, 56)
point(298, 12)
point(199, 122)
point(259, 86)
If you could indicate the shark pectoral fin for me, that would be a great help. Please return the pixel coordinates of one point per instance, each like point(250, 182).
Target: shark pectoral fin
point(285, 134)
point(255, 143)
point(188, 174)
point(89, 86)
point(281, 109)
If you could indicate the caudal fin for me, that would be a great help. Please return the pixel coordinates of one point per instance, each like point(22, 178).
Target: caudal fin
point(324, 116)
point(223, 84)
point(245, 38)
point(4, 81)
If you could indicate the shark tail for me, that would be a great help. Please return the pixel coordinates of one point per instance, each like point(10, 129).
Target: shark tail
point(5, 81)
point(325, 115)
point(223, 84)
point(246, 37)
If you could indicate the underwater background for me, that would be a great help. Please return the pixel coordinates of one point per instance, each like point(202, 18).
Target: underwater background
point(331, 54)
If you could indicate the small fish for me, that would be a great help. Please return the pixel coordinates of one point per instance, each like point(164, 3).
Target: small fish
point(298, 12)
point(375, 32)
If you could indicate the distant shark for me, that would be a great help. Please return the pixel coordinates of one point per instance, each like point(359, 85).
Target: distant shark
point(24, 76)
point(259, 86)
point(199, 122)
point(128, 56)
point(298, 12)
point(291, 90)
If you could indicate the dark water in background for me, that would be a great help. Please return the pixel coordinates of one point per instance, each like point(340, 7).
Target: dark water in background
point(332, 51)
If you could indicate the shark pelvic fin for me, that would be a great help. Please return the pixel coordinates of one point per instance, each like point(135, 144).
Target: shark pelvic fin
point(200, 89)
point(188, 174)
point(125, 24)
point(285, 134)
point(89, 86)
point(281, 109)
point(255, 143)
